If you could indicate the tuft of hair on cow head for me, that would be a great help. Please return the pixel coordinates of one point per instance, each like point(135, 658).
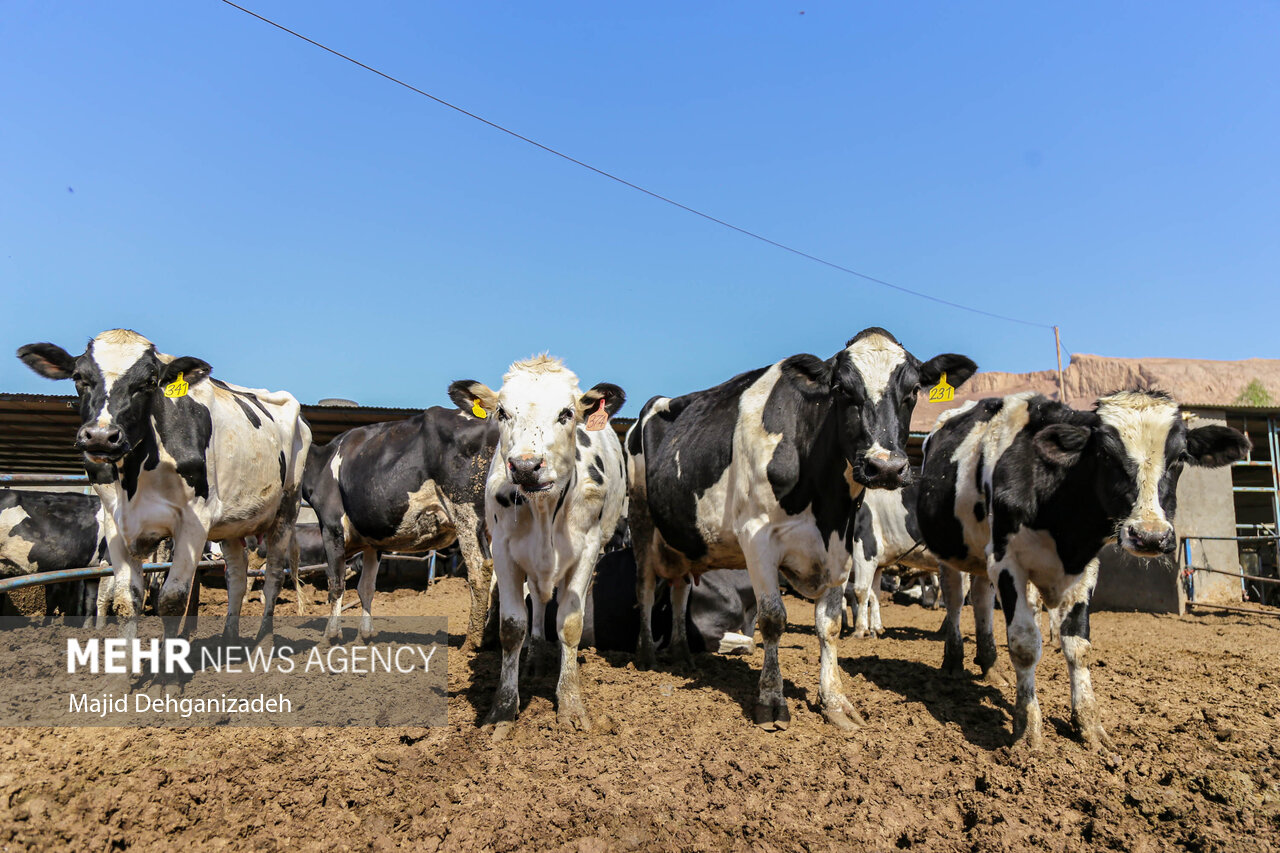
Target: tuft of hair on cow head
point(466, 393)
point(1060, 445)
point(49, 360)
point(193, 370)
point(957, 367)
point(613, 396)
point(1214, 446)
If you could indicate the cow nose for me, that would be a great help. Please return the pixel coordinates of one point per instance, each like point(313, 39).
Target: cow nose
point(889, 469)
point(1151, 539)
point(525, 468)
point(108, 437)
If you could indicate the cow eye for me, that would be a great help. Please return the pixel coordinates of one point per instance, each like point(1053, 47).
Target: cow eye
point(502, 414)
point(565, 416)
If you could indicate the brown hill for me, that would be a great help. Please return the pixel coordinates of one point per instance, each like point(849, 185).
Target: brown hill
point(1087, 377)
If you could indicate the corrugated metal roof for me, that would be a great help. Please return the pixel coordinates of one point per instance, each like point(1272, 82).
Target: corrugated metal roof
point(37, 430)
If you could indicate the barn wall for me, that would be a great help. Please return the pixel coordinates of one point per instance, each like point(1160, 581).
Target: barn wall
point(1205, 508)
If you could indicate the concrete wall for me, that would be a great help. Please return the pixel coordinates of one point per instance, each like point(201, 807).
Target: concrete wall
point(1205, 508)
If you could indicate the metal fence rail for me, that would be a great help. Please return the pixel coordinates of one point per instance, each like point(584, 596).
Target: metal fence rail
point(1189, 570)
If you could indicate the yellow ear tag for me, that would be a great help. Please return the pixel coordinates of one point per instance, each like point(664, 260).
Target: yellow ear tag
point(942, 392)
point(176, 388)
point(478, 410)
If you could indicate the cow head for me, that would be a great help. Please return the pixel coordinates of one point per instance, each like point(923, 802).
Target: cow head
point(874, 383)
point(119, 378)
point(538, 410)
point(1140, 443)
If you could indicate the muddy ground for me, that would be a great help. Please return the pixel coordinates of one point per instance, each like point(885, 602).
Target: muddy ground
point(674, 762)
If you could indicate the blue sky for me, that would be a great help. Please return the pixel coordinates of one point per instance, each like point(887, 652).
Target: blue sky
point(236, 194)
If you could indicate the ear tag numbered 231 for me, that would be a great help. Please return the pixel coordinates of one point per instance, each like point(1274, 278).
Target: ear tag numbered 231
point(598, 418)
point(478, 410)
point(176, 388)
point(942, 392)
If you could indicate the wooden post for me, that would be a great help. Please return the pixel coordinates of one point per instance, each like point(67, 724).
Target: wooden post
point(1057, 345)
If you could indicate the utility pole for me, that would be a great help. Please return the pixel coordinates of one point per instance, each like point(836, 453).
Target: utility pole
point(1057, 345)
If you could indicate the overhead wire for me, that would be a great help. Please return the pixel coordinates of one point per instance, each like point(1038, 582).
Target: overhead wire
point(605, 174)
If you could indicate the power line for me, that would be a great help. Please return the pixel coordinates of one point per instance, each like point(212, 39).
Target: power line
point(637, 187)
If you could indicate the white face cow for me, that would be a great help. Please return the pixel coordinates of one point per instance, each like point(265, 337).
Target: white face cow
point(538, 410)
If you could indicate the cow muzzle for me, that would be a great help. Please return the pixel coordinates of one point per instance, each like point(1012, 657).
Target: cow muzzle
point(884, 471)
point(101, 444)
point(527, 472)
point(1148, 540)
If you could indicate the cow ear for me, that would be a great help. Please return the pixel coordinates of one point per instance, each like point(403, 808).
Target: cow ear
point(612, 395)
point(466, 393)
point(193, 370)
point(957, 367)
point(1060, 445)
point(1214, 446)
point(49, 360)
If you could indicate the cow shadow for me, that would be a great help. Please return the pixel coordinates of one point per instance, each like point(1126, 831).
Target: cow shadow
point(907, 632)
point(947, 698)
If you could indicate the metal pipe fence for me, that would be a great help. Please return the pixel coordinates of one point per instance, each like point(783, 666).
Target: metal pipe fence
point(1189, 570)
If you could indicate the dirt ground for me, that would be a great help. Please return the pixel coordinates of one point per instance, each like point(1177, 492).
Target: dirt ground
point(674, 763)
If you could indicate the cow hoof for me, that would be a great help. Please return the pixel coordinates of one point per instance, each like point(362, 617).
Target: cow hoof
point(499, 731)
point(952, 665)
point(573, 716)
point(644, 660)
point(773, 717)
point(994, 678)
point(367, 638)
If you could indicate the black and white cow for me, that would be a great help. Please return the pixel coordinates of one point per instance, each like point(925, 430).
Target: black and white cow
point(1023, 492)
point(173, 452)
point(555, 490)
point(766, 472)
point(50, 531)
point(410, 485)
point(886, 533)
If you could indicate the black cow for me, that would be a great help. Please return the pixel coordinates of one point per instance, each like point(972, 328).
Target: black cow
point(50, 531)
point(174, 452)
point(721, 615)
point(1023, 490)
point(410, 485)
point(766, 472)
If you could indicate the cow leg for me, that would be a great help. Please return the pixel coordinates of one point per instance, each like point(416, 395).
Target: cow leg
point(280, 544)
point(368, 582)
point(104, 602)
point(646, 581)
point(1024, 650)
point(1072, 620)
point(571, 597)
point(681, 655)
point(861, 578)
point(479, 572)
point(836, 707)
point(541, 654)
point(513, 623)
point(952, 639)
point(295, 560)
point(873, 603)
point(188, 544)
point(771, 711)
point(983, 599)
point(233, 552)
point(335, 553)
point(192, 618)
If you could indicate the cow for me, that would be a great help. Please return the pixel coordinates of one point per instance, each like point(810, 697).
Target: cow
point(409, 485)
point(720, 618)
point(886, 533)
point(1022, 492)
point(171, 451)
point(766, 472)
point(49, 531)
point(555, 490)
